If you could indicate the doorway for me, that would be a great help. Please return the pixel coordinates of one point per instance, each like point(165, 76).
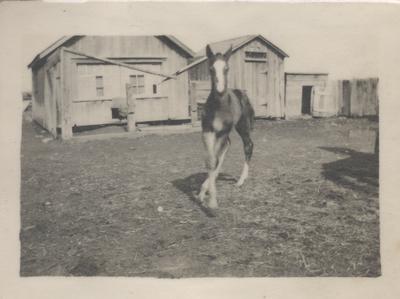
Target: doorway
point(306, 100)
point(256, 86)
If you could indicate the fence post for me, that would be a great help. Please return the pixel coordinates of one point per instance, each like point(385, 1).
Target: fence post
point(131, 101)
point(193, 102)
point(340, 105)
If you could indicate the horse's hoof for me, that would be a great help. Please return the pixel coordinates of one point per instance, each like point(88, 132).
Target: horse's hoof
point(239, 184)
point(211, 212)
point(212, 205)
point(199, 198)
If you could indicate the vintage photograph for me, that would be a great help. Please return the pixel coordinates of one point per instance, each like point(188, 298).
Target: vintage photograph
point(225, 153)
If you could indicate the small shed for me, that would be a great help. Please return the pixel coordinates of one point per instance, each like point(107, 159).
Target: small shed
point(307, 94)
point(81, 80)
point(256, 66)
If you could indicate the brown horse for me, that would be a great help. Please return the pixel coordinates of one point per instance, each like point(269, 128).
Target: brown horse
point(225, 108)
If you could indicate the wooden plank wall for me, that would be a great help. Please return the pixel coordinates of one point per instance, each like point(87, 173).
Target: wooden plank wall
point(38, 108)
point(55, 84)
point(177, 90)
point(92, 109)
point(358, 97)
point(324, 101)
point(46, 93)
point(294, 88)
point(68, 93)
point(270, 104)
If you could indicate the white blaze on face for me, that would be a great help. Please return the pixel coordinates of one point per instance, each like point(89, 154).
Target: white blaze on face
point(219, 67)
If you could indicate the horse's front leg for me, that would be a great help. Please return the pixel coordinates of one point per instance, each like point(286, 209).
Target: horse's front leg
point(216, 149)
point(210, 143)
point(209, 139)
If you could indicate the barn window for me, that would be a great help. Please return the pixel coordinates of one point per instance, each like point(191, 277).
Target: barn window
point(99, 86)
point(137, 82)
point(255, 56)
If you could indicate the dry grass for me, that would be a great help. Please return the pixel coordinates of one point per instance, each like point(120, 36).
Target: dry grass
point(309, 208)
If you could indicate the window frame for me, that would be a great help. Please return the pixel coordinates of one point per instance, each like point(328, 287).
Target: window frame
point(136, 84)
point(99, 87)
point(255, 56)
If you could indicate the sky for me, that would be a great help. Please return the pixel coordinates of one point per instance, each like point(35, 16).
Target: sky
point(342, 40)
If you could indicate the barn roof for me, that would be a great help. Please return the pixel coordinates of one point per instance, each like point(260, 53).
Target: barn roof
point(238, 42)
point(50, 49)
point(223, 46)
point(177, 42)
point(62, 41)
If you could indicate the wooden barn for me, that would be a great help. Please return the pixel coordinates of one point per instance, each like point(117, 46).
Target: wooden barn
point(308, 94)
point(256, 66)
point(81, 81)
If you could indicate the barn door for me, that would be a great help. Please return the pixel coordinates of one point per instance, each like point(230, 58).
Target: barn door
point(256, 86)
point(322, 102)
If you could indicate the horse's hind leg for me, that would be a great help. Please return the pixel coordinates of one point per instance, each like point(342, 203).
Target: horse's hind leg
point(243, 127)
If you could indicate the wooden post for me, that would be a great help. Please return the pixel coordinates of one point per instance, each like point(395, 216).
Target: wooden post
point(193, 102)
point(131, 102)
point(66, 74)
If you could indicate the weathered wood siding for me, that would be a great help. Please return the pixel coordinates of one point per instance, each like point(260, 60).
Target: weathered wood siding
point(357, 97)
point(38, 108)
point(172, 94)
point(263, 81)
point(46, 93)
point(69, 91)
point(294, 88)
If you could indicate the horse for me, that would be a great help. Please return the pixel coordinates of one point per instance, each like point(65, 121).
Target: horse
point(224, 110)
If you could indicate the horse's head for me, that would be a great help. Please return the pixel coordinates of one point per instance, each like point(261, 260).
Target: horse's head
point(219, 67)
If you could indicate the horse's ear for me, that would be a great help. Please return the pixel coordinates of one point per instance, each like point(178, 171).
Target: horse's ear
point(209, 52)
point(228, 53)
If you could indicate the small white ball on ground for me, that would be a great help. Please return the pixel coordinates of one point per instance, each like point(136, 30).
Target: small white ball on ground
point(160, 209)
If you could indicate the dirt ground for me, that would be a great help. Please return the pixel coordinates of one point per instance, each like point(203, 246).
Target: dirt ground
point(125, 207)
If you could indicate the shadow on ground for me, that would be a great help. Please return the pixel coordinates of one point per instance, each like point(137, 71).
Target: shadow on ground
point(191, 186)
point(357, 172)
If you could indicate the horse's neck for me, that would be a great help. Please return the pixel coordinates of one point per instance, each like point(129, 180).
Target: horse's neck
point(220, 97)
